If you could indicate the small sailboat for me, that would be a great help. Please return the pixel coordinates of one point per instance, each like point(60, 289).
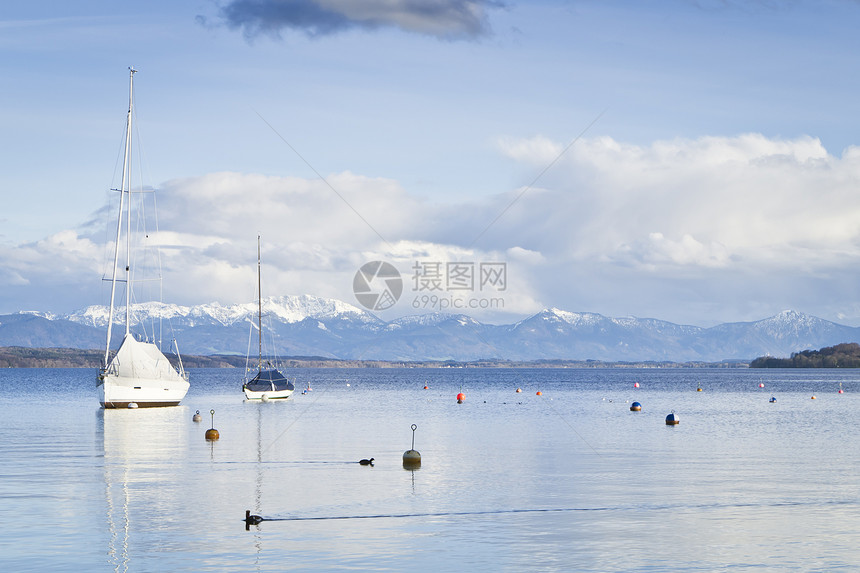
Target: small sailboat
point(269, 383)
point(138, 374)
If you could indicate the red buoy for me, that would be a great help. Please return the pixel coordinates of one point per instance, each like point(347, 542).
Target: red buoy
point(538, 393)
point(460, 398)
point(426, 387)
point(636, 384)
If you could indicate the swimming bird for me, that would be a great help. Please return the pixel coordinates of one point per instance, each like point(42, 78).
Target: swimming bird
point(366, 462)
point(252, 519)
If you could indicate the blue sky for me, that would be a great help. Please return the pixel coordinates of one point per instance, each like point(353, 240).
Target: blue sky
point(715, 179)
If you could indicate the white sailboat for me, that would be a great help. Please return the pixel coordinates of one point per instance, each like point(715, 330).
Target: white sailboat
point(269, 383)
point(138, 375)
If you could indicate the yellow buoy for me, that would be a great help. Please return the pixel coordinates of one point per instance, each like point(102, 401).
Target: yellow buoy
point(411, 457)
point(212, 434)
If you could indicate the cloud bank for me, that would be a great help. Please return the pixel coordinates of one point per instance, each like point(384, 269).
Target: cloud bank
point(445, 19)
point(695, 231)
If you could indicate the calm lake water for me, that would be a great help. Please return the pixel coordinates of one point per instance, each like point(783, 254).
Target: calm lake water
point(571, 480)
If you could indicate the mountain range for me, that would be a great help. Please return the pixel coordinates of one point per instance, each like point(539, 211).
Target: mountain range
point(311, 326)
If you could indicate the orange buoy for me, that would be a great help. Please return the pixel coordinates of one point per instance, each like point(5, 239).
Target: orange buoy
point(460, 398)
point(538, 393)
point(519, 390)
point(813, 398)
point(426, 387)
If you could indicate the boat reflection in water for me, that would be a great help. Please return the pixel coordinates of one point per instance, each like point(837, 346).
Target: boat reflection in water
point(141, 448)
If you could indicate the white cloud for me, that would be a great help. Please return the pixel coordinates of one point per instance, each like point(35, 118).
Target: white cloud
point(525, 255)
point(695, 231)
point(745, 196)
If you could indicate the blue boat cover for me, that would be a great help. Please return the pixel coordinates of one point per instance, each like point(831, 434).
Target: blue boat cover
point(269, 380)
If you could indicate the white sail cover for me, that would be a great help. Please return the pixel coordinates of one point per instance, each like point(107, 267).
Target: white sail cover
point(136, 359)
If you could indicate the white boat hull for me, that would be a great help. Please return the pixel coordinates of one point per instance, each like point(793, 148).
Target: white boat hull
point(119, 392)
point(140, 374)
point(267, 394)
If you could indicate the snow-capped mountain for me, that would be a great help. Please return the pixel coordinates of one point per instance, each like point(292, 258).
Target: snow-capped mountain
point(286, 309)
point(313, 326)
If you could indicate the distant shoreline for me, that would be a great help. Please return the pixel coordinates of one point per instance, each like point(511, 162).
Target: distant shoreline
point(22, 357)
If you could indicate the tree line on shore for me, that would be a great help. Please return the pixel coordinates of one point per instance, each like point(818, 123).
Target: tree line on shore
point(845, 355)
point(24, 357)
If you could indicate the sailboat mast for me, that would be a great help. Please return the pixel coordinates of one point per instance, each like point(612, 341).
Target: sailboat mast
point(259, 306)
point(126, 174)
point(119, 221)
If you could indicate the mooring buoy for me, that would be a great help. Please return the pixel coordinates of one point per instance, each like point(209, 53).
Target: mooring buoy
point(197, 417)
point(212, 434)
point(411, 457)
point(635, 407)
point(460, 398)
point(672, 419)
point(132, 405)
point(366, 462)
